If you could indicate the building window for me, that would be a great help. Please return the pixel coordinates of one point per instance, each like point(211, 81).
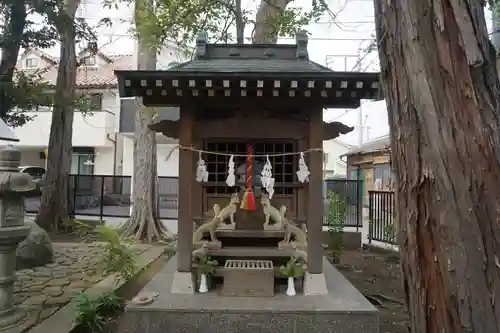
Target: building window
point(82, 161)
point(31, 63)
point(91, 102)
point(283, 167)
point(90, 60)
point(95, 101)
point(384, 173)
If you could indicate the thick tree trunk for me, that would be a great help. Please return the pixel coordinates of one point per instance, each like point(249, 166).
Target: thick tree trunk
point(265, 32)
point(10, 52)
point(143, 222)
point(54, 205)
point(442, 92)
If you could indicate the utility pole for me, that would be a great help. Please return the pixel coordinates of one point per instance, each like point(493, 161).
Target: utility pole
point(360, 109)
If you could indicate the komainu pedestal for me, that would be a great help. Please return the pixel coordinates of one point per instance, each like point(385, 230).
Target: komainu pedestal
point(248, 278)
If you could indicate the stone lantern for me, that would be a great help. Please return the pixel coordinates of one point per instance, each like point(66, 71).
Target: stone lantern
point(13, 187)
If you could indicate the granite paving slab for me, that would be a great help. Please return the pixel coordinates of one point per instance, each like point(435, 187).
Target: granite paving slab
point(43, 290)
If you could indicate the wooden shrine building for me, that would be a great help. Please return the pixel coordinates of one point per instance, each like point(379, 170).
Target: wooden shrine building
point(233, 95)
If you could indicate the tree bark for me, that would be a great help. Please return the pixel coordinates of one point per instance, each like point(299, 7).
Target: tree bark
point(14, 31)
point(240, 24)
point(264, 32)
point(143, 222)
point(442, 92)
point(54, 206)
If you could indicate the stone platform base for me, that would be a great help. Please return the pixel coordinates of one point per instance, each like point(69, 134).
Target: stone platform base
point(342, 310)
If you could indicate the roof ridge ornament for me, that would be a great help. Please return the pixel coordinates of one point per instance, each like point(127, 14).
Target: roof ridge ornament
point(301, 39)
point(201, 45)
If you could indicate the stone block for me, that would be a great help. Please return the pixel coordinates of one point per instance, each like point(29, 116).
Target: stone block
point(157, 322)
point(338, 323)
point(251, 323)
point(248, 278)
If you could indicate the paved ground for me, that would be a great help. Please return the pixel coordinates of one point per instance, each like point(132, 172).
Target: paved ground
point(44, 290)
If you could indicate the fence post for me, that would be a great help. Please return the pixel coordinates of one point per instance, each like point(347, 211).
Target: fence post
point(75, 184)
point(359, 205)
point(101, 200)
point(370, 216)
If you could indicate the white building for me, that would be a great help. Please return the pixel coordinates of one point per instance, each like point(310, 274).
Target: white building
point(334, 165)
point(98, 145)
point(103, 139)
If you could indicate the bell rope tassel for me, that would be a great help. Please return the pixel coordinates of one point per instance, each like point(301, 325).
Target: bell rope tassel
point(248, 201)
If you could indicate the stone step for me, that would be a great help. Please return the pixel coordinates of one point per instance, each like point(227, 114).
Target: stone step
point(250, 233)
point(250, 252)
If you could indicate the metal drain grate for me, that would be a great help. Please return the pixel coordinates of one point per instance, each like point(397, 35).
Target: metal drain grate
point(249, 264)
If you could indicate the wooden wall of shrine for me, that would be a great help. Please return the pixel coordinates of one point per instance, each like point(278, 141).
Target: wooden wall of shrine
point(269, 132)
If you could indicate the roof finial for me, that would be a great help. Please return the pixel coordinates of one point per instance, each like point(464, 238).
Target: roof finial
point(301, 40)
point(201, 45)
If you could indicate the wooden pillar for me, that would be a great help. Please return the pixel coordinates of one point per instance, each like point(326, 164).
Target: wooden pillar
point(315, 207)
point(186, 180)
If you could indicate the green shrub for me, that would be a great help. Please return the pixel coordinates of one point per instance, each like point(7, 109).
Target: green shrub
point(293, 268)
point(93, 313)
point(117, 259)
point(335, 219)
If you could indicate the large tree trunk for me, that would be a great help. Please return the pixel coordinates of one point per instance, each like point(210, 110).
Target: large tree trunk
point(143, 222)
point(54, 205)
point(10, 51)
point(265, 32)
point(442, 93)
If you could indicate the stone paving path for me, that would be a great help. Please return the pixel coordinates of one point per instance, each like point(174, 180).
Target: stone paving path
point(44, 290)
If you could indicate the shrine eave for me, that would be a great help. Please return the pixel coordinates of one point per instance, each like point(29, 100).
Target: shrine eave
point(329, 89)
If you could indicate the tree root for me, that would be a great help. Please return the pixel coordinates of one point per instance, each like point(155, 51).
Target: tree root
point(142, 225)
point(379, 299)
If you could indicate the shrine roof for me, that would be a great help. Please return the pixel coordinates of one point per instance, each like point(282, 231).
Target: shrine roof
point(262, 58)
point(262, 71)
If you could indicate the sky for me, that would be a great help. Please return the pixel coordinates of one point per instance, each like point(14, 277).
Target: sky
point(341, 46)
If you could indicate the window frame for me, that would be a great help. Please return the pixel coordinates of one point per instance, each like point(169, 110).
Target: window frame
point(27, 62)
point(90, 60)
point(284, 167)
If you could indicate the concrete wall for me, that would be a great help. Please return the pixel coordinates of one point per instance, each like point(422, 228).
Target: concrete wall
point(166, 167)
point(103, 161)
point(89, 130)
point(32, 158)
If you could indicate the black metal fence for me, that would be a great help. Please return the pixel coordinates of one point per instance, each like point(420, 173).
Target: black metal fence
point(345, 195)
point(109, 196)
point(382, 210)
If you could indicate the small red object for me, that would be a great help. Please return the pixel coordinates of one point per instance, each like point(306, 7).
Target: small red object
point(250, 196)
point(251, 201)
